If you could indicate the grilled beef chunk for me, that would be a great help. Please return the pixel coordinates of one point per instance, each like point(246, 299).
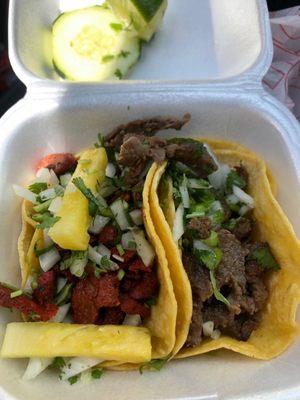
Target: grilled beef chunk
point(201, 291)
point(242, 172)
point(146, 127)
point(242, 229)
point(193, 154)
point(199, 228)
point(137, 151)
point(239, 279)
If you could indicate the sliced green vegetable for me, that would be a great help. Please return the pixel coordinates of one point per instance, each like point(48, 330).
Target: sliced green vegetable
point(96, 373)
point(213, 240)
point(233, 179)
point(64, 295)
point(43, 206)
point(264, 258)
point(47, 222)
point(154, 365)
point(37, 187)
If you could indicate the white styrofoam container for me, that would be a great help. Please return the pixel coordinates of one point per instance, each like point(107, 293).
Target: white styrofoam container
point(226, 47)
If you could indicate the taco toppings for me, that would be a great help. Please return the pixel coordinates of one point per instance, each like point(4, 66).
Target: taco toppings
point(225, 266)
point(115, 275)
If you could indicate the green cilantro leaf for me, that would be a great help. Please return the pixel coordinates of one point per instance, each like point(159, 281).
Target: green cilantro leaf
point(39, 252)
point(37, 187)
point(107, 58)
point(116, 27)
point(118, 73)
point(121, 274)
point(234, 179)
point(58, 363)
point(264, 258)
point(218, 295)
point(123, 54)
point(96, 373)
point(154, 365)
point(47, 221)
point(73, 379)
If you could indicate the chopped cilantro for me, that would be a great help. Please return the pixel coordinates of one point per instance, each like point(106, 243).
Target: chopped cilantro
point(234, 179)
point(120, 249)
point(58, 363)
point(95, 204)
point(118, 73)
point(37, 187)
point(218, 295)
point(150, 302)
point(154, 365)
point(96, 373)
point(64, 295)
point(43, 206)
point(213, 240)
point(210, 258)
point(107, 58)
point(121, 274)
point(123, 54)
point(39, 252)
point(15, 294)
point(264, 258)
point(116, 27)
point(105, 263)
point(217, 217)
point(73, 379)
point(231, 224)
point(47, 222)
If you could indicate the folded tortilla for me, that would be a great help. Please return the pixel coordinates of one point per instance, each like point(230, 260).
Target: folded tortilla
point(162, 322)
point(278, 328)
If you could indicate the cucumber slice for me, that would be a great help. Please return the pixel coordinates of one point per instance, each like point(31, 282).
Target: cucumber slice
point(92, 44)
point(144, 15)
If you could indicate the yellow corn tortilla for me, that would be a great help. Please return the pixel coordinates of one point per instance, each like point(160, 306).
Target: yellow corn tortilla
point(161, 324)
point(278, 328)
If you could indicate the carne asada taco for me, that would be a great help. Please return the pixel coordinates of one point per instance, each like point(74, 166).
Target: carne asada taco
point(92, 264)
point(232, 253)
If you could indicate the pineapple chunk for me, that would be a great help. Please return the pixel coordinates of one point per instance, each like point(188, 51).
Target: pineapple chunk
point(46, 339)
point(71, 231)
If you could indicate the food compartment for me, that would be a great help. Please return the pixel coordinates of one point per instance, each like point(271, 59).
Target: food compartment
point(34, 128)
point(207, 39)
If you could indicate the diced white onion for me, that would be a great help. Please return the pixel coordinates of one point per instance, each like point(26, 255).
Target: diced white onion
point(24, 193)
point(94, 255)
point(200, 245)
point(117, 209)
point(65, 179)
point(35, 366)
point(47, 239)
point(118, 258)
point(184, 193)
point(76, 365)
point(78, 265)
point(132, 320)
point(244, 209)
point(53, 178)
point(43, 175)
point(243, 196)
point(55, 205)
point(216, 206)
point(61, 282)
point(126, 240)
point(208, 328)
point(216, 334)
point(103, 250)
point(110, 171)
point(137, 217)
point(211, 153)
point(232, 199)
point(98, 223)
point(218, 178)
point(143, 247)
point(48, 194)
point(61, 313)
point(49, 259)
point(178, 227)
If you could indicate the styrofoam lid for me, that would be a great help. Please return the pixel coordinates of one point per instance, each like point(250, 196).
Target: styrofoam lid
point(199, 40)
